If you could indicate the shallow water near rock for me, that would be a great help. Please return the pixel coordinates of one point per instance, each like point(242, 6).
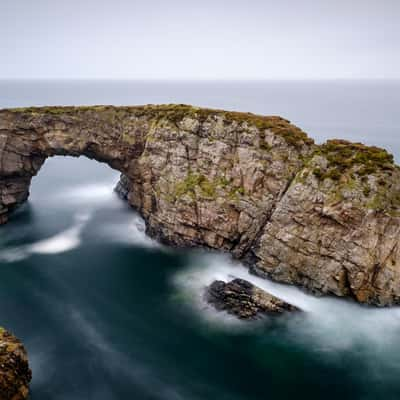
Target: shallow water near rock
point(108, 313)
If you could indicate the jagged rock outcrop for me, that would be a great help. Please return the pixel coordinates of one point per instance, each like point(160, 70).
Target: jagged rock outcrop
point(244, 300)
point(337, 229)
point(15, 374)
point(323, 217)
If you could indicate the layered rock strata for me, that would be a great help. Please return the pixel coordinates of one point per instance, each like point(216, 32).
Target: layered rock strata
point(325, 217)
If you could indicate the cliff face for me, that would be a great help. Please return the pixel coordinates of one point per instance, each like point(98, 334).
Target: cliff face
point(323, 217)
point(15, 374)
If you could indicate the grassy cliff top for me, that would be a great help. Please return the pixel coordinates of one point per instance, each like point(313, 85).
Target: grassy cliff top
point(344, 156)
point(176, 112)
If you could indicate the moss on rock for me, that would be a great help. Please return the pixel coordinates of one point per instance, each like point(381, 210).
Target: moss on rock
point(197, 184)
point(343, 156)
point(175, 113)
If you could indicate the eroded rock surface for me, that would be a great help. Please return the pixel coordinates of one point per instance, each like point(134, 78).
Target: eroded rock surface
point(323, 217)
point(337, 229)
point(15, 374)
point(244, 300)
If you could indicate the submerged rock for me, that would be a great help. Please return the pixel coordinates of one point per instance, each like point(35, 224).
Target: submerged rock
point(244, 300)
point(15, 374)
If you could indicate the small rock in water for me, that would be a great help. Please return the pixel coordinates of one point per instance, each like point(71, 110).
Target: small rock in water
point(244, 300)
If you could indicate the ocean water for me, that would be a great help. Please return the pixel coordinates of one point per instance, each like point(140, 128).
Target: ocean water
point(107, 313)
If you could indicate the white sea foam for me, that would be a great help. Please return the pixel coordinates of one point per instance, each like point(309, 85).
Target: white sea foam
point(328, 323)
point(63, 241)
point(66, 240)
point(13, 254)
point(131, 231)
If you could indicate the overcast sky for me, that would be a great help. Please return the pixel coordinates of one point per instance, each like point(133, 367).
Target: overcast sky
point(201, 39)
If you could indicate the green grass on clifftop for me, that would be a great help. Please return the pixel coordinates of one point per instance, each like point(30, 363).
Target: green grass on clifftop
point(293, 135)
point(344, 156)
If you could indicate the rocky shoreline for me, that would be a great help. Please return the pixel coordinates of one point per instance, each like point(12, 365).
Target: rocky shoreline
point(323, 217)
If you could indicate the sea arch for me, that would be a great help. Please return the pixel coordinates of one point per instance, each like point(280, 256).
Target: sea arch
point(323, 217)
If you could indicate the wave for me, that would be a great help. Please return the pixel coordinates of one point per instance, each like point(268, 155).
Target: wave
point(327, 324)
point(66, 240)
point(131, 231)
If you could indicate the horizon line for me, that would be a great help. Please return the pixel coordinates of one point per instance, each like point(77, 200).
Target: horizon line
point(177, 80)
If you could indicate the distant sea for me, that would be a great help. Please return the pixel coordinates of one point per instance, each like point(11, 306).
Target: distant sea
point(366, 111)
point(107, 313)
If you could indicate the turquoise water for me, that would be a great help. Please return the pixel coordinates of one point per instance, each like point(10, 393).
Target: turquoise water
point(107, 313)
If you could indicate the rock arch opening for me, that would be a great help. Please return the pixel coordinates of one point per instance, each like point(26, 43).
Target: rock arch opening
point(32, 140)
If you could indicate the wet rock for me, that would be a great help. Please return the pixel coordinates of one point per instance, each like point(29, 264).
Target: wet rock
point(244, 300)
point(15, 374)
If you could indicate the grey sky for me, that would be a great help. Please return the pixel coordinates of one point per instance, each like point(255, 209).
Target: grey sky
point(201, 39)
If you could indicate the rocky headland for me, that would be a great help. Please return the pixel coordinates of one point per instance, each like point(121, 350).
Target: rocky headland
point(323, 217)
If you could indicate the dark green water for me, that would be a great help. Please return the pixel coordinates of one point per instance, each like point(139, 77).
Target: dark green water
point(106, 313)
